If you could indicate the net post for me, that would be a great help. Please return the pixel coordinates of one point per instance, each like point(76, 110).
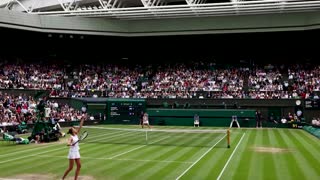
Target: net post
point(228, 137)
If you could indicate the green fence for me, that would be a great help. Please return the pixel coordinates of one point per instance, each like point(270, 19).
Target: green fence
point(208, 117)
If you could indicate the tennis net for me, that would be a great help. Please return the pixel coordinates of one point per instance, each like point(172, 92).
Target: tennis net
point(168, 137)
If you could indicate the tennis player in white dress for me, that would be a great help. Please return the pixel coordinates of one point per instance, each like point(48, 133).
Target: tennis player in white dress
point(74, 154)
point(145, 120)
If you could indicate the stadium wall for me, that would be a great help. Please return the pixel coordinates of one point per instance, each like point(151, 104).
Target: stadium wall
point(208, 117)
point(216, 111)
point(279, 107)
point(53, 24)
point(154, 27)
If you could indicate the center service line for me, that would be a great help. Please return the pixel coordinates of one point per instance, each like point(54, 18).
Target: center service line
point(225, 166)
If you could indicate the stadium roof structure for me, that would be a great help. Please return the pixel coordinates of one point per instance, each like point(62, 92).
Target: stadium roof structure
point(157, 9)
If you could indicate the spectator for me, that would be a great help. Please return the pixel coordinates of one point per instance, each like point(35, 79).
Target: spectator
point(258, 119)
point(283, 120)
point(196, 120)
point(315, 122)
point(272, 119)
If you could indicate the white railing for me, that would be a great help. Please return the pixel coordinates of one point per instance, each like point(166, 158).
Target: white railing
point(190, 10)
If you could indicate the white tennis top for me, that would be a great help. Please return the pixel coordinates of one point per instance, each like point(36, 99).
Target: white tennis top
point(145, 118)
point(76, 146)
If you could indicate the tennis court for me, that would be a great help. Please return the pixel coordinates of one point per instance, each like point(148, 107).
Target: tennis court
point(171, 152)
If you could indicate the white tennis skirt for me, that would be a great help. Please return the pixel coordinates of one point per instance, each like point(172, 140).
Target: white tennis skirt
point(74, 155)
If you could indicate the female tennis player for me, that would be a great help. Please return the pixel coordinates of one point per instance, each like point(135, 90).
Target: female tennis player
point(145, 120)
point(74, 154)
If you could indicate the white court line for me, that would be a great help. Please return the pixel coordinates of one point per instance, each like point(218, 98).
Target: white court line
point(141, 160)
point(184, 172)
point(27, 150)
point(36, 146)
point(43, 152)
point(106, 137)
point(22, 157)
point(225, 166)
point(9, 179)
point(137, 148)
point(136, 160)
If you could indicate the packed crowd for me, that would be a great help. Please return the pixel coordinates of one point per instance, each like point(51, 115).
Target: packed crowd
point(305, 81)
point(199, 80)
point(22, 108)
point(30, 76)
point(266, 83)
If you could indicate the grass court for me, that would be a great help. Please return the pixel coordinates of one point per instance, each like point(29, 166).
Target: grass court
point(108, 154)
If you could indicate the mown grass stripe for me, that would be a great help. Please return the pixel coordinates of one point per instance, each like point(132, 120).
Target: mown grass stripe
point(211, 165)
point(128, 172)
point(147, 169)
point(293, 161)
point(148, 151)
point(309, 146)
point(109, 159)
point(113, 149)
point(242, 171)
point(227, 163)
point(25, 149)
point(309, 138)
point(99, 149)
point(157, 152)
point(287, 160)
point(56, 148)
point(27, 156)
point(281, 159)
point(117, 169)
point(269, 158)
point(153, 161)
point(32, 164)
point(255, 165)
point(195, 154)
point(40, 146)
point(103, 168)
point(166, 171)
point(136, 148)
point(184, 172)
point(308, 154)
point(115, 138)
point(49, 163)
point(184, 152)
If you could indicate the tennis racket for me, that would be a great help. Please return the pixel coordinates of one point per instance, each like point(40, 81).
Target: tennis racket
point(82, 137)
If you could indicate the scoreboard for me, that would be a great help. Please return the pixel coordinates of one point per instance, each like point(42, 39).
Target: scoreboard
point(125, 110)
point(312, 103)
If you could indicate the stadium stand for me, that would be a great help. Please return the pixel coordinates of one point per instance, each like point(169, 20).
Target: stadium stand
point(18, 111)
point(201, 80)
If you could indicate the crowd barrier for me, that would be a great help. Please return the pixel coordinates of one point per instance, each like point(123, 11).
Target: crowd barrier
point(314, 130)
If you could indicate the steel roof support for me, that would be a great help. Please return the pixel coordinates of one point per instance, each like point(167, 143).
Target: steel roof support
point(9, 5)
point(152, 3)
point(155, 10)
